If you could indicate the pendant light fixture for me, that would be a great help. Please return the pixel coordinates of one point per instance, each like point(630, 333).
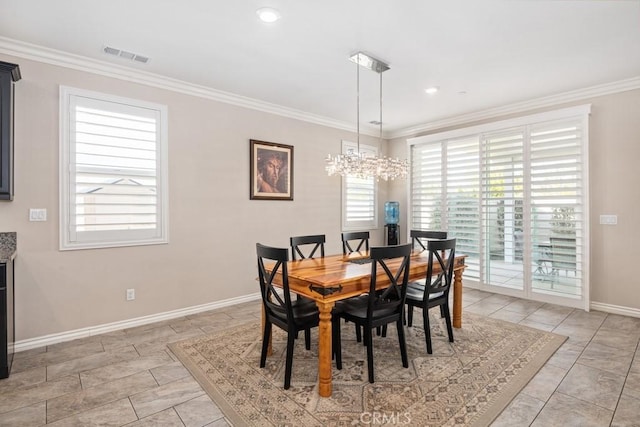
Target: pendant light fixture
point(357, 163)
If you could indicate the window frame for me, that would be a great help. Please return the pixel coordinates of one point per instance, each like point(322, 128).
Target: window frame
point(347, 225)
point(73, 240)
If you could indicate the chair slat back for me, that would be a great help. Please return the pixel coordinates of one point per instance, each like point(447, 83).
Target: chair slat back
point(275, 303)
point(421, 237)
point(361, 238)
point(297, 242)
point(393, 297)
point(441, 253)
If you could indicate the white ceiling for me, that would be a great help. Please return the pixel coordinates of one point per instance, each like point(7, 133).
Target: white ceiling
point(482, 54)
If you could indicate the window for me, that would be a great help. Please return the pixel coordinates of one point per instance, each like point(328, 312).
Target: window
point(359, 198)
point(514, 194)
point(113, 171)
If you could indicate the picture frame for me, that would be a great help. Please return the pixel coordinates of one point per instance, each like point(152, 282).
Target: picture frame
point(271, 171)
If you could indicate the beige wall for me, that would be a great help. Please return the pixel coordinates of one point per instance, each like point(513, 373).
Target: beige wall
point(614, 151)
point(213, 225)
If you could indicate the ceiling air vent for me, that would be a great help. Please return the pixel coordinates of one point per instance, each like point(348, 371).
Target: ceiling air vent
point(125, 55)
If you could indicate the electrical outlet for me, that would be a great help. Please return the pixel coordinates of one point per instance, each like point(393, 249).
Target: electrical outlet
point(37, 214)
point(131, 294)
point(609, 219)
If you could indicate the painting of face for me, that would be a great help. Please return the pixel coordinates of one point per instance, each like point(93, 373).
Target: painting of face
point(271, 167)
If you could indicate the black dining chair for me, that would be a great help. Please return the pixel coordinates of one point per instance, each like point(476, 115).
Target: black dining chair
point(435, 291)
point(383, 306)
point(420, 238)
point(301, 246)
point(279, 309)
point(361, 238)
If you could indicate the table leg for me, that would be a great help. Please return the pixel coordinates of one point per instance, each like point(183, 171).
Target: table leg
point(324, 348)
point(457, 298)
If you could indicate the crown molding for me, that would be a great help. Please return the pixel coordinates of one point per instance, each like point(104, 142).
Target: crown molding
point(520, 107)
point(81, 63)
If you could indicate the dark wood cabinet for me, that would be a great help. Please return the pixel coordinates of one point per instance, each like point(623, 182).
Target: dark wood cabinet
point(9, 74)
point(7, 325)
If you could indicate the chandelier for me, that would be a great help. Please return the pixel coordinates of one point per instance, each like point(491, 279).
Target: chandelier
point(356, 163)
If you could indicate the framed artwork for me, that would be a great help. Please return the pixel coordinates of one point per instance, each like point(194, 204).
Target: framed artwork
point(271, 171)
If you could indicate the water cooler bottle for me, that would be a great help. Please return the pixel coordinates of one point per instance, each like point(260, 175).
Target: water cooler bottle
point(391, 219)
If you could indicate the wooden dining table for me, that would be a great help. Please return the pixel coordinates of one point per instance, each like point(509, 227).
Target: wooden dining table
point(333, 278)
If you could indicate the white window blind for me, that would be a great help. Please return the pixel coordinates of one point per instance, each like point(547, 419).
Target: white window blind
point(558, 205)
point(502, 204)
point(514, 194)
point(445, 194)
point(113, 171)
point(359, 195)
point(462, 199)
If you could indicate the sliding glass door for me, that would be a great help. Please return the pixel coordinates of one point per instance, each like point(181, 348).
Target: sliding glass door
point(515, 198)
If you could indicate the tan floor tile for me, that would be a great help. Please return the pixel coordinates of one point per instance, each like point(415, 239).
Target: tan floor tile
point(170, 372)
point(24, 379)
point(85, 400)
point(593, 385)
point(566, 411)
point(165, 396)
point(523, 306)
point(545, 382)
point(123, 369)
point(112, 414)
point(520, 412)
point(627, 413)
point(92, 361)
point(566, 355)
point(607, 358)
point(509, 316)
point(618, 338)
point(137, 337)
point(58, 355)
point(624, 323)
point(537, 325)
point(198, 412)
point(166, 418)
point(550, 314)
point(34, 415)
point(15, 399)
point(159, 344)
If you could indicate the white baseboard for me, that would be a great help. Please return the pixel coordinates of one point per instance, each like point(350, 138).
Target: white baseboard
point(615, 309)
point(130, 323)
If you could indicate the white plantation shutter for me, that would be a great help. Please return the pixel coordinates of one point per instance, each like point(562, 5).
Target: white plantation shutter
point(558, 205)
point(502, 204)
point(359, 195)
point(445, 194)
point(426, 187)
point(113, 171)
point(463, 200)
point(514, 195)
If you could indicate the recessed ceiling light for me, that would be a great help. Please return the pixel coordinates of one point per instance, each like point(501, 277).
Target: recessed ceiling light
point(268, 15)
point(432, 90)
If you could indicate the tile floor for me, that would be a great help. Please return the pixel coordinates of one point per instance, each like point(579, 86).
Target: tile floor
point(130, 377)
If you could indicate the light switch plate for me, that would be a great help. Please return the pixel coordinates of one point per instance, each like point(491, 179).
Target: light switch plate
point(609, 219)
point(37, 214)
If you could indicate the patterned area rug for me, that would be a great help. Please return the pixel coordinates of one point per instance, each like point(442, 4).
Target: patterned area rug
point(468, 382)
